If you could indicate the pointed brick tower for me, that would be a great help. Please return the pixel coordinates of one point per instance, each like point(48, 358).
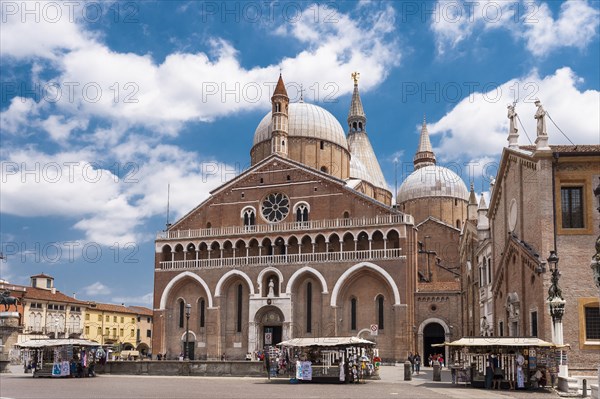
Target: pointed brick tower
point(279, 121)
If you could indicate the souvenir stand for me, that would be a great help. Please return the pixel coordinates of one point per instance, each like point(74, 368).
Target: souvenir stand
point(60, 357)
point(523, 361)
point(329, 359)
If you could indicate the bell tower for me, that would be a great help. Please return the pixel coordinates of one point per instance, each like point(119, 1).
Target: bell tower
point(279, 121)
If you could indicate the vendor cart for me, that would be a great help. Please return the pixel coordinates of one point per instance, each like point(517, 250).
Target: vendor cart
point(60, 357)
point(518, 362)
point(329, 359)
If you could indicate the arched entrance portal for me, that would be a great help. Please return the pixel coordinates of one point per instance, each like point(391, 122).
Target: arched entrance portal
point(433, 333)
point(269, 325)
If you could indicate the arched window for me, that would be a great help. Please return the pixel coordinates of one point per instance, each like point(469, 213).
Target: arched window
point(309, 307)
point(322, 145)
point(489, 266)
point(201, 312)
point(457, 224)
point(239, 308)
point(277, 107)
point(380, 311)
point(181, 313)
point(360, 128)
point(302, 212)
point(249, 216)
point(346, 215)
point(353, 314)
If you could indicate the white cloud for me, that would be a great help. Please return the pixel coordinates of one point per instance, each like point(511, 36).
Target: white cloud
point(143, 300)
point(18, 115)
point(576, 26)
point(43, 29)
point(96, 288)
point(134, 90)
point(478, 126)
point(59, 129)
point(110, 203)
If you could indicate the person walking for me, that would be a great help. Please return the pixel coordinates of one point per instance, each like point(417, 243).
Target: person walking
point(417, 360)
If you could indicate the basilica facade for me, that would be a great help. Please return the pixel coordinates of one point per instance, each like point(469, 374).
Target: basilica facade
point(308, 243)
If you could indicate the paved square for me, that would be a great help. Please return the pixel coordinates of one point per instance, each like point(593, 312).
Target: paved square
point(391, 385)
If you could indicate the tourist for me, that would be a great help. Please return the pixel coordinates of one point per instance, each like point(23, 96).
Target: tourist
point(417, 362)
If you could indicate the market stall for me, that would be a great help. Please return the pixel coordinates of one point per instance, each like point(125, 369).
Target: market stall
point(61, 357)
point(329, 359)
point(519, 362)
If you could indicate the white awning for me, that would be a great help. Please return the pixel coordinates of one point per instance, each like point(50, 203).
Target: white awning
point(41, 343)
point(326, 341)
point(501, 341)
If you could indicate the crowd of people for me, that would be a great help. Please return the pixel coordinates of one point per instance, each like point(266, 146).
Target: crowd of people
point(435, 357)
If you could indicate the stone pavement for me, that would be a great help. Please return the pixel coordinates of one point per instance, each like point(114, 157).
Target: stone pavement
point(22, 386)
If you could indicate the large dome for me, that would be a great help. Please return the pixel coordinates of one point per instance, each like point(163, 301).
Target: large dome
point(306, 120)
point(432, 181)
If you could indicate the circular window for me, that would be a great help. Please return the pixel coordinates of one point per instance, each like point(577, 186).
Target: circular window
point(433, 308)
point(275, 207)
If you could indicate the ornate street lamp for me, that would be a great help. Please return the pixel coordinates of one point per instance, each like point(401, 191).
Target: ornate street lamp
point(557, 308)
point(555, 298)
point(188, 311)
point(596, 258)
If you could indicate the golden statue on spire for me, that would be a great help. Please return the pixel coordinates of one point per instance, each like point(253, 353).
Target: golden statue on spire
point(355, 77)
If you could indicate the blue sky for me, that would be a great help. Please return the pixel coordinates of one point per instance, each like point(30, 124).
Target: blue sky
point(106, 103)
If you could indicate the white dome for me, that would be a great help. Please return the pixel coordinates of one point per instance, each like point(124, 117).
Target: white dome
point(432, 181)
point(306, 120)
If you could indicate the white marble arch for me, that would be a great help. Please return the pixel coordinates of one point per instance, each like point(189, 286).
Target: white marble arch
point(306, 269)
point(368, 265)
point(434, 320)
point(259, 279)
point(180, 276)
point(447, 333)
point(192, 334)
point(234, 273)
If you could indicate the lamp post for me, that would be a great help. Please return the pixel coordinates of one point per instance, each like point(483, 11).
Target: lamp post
point(557, 308)
point(188, 311)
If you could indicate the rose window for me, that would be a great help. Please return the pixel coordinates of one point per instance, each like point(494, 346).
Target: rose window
point(275, 207)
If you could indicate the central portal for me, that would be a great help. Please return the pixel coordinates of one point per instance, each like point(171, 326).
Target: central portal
point(270, 327)
point(272, 335)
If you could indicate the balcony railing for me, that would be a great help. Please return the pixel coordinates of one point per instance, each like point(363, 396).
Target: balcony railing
point(319, 257)
point(39, 329)
point(383, 220)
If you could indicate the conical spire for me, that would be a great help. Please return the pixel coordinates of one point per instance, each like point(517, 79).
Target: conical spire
point(472, 197)
point(472, 205)
point(424, 155)
point(280, 88)
point(483, 223)
point(482, 204)
point(357, 120)
point(363, 163)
